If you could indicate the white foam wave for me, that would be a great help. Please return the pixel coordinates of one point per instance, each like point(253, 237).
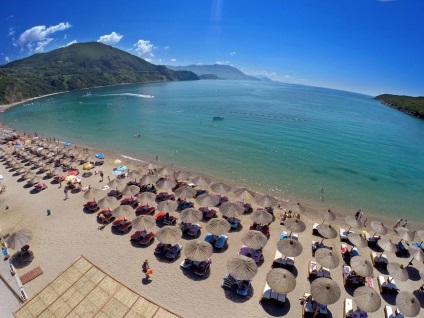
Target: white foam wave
point(131, 158)
point(130, 94)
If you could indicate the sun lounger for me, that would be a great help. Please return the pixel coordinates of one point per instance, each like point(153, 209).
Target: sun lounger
point(309, 306)
point(221, 242)
point(376, 260)
point(174, 251)
point(348, 307)
point(201, 268)
point(266, 295)
point(284, 235)
point(280, 261)
point(388, 311)
point(314, 229)
point(313, 271)
point(243, 287)
point(385, 286)
point(147, 239)
point(343, 234)
point(124, 227)
point(194, 230)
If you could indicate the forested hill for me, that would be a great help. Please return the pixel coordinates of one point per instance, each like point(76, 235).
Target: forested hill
point(413, 106)
point(79, 66)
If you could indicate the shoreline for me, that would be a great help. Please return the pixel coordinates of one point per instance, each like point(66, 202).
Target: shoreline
point(312, 207)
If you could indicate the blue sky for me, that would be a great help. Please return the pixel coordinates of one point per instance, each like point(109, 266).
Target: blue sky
point(365, 46)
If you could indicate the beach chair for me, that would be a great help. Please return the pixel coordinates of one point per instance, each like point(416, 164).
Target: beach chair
point(174, 251)
point(266, 294)
point(145, 209)
point(314, 229)
point(210, 238)
point(221, 242)
point(228, 281)
point(343, 234)
point(202, 267)
point(147, 239)
point(243, 287)
point(194, 230)
point(186, 263)
point(388, 312)
point(347, 307)
point(376, 260)
point(124, 227)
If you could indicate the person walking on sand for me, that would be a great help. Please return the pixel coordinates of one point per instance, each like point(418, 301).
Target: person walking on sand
point(101, 176)
point(60, 184)
point(397, 224)
point(405, 224)
point(66, 193)
point(365, 221)
point(357, 214)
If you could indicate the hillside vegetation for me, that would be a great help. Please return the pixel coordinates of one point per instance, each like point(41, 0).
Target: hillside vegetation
point(410, 105)
point(220, 71)
point(78, 66)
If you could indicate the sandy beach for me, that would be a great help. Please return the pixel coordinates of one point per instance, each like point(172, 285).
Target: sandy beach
point(60, 238)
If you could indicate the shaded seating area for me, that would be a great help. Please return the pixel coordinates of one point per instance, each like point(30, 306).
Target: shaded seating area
point(143, 237)
point(234, 222)
point(282, 262)
point(166, 218)
point(145, 209)
point(348, 254)
point(217, 241)
point(311, 308)
point(199, 268)
point(389, 312)
point(314, 272)
point(207, 213)
point(350, 278)
point(269, 295)
point(348, 311)
point(343, 234)
point(255, 254)
point(387, 285)
point(379, 260)
point(284, 235)
point(260, 227)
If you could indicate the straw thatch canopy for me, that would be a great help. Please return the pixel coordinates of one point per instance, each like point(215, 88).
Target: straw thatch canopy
point(295, 225)
point(327, 231)
point(296, 207)
point(367, 299)
point(207, 200)
point(34, 180)
point(387, 245)
point(167, 206)
point(379, 228)
point(198, 250)
point(185, 192)
point(220, 187)
point(289, 247)
point(150, 166)
point(242, 267)
point(122, 211)
point(130, 190)
point(231, 209)
point(244, 194)
point(107, 202)
point(168, 234)
point(397, 271)
point(218, 226)
point(166, 184)
point(405, 234)
point(361, 266)
point(143, 222)
point(28, 175)
point(254, 239)
point(420, 235)
point(148, 179)
point(325, 291)
point(116, 183)
point(191, 215)
point(408, 304)
point(148, 198)
point(261, 217)
point(416, 253)
point(135, 174)
point(357, 240)
point(165, 172)
point(266, 201)
point(93, 193)
point(281, 280)
point(181, 175)
point(22, 170)
point(326, 258)
point(19, 239)
point(327, 215)
point(353, 222)
point(201, 181)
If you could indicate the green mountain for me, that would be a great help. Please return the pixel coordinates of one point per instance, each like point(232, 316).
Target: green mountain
point(413, 106)
point(79, 66)
point(221, 71)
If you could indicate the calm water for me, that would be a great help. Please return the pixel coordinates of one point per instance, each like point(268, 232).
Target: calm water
point(285, 138)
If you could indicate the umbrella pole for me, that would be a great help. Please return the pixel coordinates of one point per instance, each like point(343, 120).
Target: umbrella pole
point(323, 240)
point(410, 262)
point(348, 230)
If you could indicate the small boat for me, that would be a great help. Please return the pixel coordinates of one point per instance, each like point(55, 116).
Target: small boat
point(217, 118)
point(87, 94)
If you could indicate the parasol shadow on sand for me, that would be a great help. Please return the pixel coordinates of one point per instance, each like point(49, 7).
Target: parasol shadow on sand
point(22, 259)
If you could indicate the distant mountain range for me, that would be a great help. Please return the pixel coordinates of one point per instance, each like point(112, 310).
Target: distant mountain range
point(79, 66)
point(220, 71)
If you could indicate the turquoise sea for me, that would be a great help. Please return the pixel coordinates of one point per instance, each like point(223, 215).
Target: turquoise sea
point(291, 140)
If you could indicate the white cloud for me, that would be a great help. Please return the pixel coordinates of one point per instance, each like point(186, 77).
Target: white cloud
point(222, 62)
point(7, 59)
point(110, 38)
point(148, 60)
point(144, 49)
point(173, 60)
point(38, 36)
point(11, 31)
point(287, 76)
point(72, 42)
point(166, 48)
point(269, 74)
point(233, 53)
